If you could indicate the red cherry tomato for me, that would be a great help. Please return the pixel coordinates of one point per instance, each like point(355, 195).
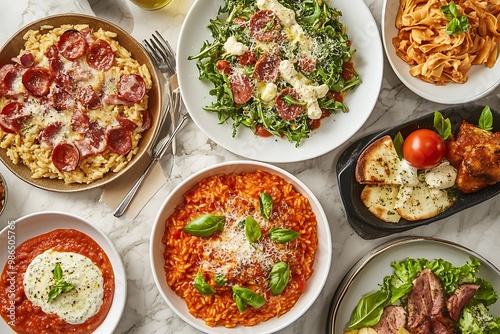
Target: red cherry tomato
point(424, 149)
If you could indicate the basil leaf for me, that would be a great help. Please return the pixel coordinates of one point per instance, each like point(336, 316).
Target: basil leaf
point(252, 230)
point(220, 280)
point(282, 235)
point(279, 277)
point(53, 293)
point(398, 144)
point(442, 125)
point(240, 304)
point(486, 119)
point(457, 24)
point(202, 286)
point(60, 286)
point(248, 297)
point(57, 272)
point(205, 225)
point(369, 309)
point(266, 205)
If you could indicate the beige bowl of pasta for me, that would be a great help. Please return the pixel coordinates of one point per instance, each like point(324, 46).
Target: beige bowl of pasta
point(80, 102)
point(248, 241)
point(453, 67)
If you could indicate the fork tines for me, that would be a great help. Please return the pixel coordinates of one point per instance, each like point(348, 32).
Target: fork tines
point(161, 52)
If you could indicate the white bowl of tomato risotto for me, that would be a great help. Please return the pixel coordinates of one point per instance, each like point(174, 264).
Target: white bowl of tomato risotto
point(240, 246)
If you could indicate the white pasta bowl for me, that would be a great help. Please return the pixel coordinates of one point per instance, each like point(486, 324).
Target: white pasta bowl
point(482, 80)
point(314, 285)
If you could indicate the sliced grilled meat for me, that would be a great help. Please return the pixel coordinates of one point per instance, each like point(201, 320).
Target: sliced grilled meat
point(392, 319)
point(426, 299)
point(460, 298)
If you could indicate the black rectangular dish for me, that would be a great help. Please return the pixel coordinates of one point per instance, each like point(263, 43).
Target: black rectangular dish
point(367, 225)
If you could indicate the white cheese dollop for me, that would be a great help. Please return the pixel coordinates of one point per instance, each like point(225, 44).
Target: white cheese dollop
point(442, 176)
point(76, 305)
point(267, 91)
point(234, 47)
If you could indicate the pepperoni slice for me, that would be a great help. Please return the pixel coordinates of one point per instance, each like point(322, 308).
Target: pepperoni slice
point(119, 140)
point(93, 142)
point(61, 99)
point(48, 134)
point(37, 81)
point(27, 60)
point(132, 87)
point(241, 86)
point(285, 110)
point(307, 64)
point(100, 56)
point(57, 67)
point(80, 122)
point(265, 26)
point(127, 123)
point(12, 117)
point(88, 97)
point(146, 120)
point(267, 68)
point(87, 34)
point(52, 52)
point(65, 157)
point(71, 44)
point(8, 74)
point(247, 59)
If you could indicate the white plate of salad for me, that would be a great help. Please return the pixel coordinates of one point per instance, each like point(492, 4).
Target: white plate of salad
point(407, 257)
point(291, 140)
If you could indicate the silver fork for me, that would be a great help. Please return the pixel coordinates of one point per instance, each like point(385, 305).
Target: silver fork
point(158, 151)
point(162, 53)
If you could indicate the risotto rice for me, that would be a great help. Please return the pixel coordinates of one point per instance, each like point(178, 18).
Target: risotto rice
point(228, 259)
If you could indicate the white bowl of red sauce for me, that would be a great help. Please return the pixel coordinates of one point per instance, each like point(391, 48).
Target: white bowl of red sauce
point(243, 182)
point(26, 241)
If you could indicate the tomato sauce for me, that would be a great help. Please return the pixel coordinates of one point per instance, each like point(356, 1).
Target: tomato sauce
point(28, 318)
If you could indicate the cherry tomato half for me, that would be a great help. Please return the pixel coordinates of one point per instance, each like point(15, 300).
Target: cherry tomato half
point(424, 149)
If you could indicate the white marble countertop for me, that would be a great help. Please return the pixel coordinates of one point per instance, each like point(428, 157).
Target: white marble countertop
point(146, 312)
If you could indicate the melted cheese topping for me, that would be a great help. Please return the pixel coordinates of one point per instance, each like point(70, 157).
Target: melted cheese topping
point(76, 305)
point(232, 252)
point(309, 93)
point(293, 30)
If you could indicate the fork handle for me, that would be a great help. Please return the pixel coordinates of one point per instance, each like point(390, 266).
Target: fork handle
point(120, 209)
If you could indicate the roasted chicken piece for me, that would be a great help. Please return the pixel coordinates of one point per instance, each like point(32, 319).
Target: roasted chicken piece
point(476, 155)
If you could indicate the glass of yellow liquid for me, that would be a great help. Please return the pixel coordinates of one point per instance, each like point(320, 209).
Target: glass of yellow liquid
point(151, 4)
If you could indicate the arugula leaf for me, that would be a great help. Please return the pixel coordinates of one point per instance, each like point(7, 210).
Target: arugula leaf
point(486, 119)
